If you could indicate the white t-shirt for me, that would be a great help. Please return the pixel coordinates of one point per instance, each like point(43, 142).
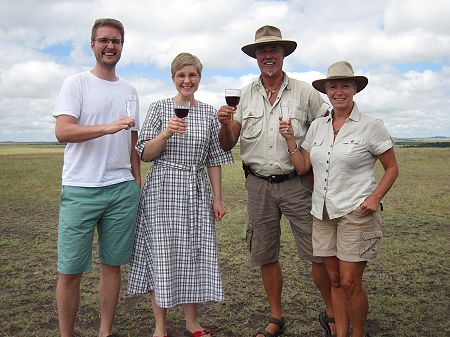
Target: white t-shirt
point(104, 160)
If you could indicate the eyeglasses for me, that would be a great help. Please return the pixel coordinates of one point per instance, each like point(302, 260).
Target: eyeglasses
point(104, 41)
point(191, 76)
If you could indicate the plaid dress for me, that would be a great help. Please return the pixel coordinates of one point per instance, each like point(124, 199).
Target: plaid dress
point(175, 242)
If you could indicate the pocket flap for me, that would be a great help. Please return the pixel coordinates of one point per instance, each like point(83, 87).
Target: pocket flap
point(252, 114)
point(317, 142)
point(352, 141)
point(371, 235)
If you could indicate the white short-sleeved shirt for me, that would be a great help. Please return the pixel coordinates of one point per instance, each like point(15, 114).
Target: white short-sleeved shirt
point(344, 168)
point(262, 146)
point(105, 160)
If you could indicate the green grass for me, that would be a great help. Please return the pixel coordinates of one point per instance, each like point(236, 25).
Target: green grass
point(408, 284)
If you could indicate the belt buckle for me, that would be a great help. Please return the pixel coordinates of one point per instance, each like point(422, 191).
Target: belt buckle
point(272, 179)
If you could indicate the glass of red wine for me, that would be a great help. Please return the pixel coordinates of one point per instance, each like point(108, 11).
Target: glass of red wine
point(232, 97)
point(181, 108)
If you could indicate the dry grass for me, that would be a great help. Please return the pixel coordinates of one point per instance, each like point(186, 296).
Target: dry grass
point(408, 284)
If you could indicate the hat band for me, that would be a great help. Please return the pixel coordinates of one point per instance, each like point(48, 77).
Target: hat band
point(268, 39)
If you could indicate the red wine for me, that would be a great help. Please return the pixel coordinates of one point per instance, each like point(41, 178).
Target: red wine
point(232, 100)
point(180, 112)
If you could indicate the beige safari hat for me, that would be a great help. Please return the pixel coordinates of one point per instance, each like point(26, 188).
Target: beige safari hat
point(269, 35)
point(341, 70)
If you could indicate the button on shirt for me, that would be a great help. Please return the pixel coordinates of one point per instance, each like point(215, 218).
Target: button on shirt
point(262, 146)
point(344, 167)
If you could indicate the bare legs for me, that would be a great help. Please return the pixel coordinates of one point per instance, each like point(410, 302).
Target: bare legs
point(68, 299)
point(160, 317)
point(160, 314)
point(109, 289)
point(191, 316)
point(272, 277)
point(348, 295)
point(322, 282)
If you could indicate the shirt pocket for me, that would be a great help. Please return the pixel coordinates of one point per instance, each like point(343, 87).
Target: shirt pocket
point(316, 152)
point(353, 146)
point(316, 143)
point(252, 124)
point(298, 120)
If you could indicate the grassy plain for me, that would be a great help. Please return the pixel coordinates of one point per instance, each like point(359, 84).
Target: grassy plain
point(408, 284)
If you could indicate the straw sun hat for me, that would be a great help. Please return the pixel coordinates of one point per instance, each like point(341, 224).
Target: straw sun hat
point(269, 35)
point(341, 70)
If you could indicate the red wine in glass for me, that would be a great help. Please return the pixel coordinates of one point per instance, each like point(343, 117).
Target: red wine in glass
point(232, 100)
point(232, 97)
point(181, 112)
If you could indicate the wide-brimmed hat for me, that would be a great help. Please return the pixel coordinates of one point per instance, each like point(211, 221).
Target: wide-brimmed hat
point(341, 70)
point(269, 35)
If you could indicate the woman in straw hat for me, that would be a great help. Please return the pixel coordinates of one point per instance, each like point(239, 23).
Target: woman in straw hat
point(342, 149)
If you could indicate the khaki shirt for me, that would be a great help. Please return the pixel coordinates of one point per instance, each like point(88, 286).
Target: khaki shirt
point(344, 168)
point(262, 146)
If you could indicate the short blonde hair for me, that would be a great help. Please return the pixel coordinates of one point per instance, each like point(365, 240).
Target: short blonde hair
point(185, 59)
point(107, 22)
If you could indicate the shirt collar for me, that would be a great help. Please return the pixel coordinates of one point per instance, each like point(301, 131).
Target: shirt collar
point(286, 83)
point(354, 115)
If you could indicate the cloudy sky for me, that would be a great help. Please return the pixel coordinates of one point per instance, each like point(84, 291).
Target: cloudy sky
point(402, 46)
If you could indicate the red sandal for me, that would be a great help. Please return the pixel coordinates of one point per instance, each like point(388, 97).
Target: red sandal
point(199, 333)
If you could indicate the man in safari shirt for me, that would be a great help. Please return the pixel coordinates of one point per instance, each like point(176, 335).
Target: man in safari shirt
point(273, 187)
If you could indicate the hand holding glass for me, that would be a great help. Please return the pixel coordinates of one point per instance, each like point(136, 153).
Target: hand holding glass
point(232, 97)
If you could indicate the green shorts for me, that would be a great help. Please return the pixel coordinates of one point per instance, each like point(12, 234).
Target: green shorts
point(112, 210)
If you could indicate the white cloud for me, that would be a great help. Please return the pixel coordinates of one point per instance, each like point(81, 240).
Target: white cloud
point(33, 79)
point(402, 46)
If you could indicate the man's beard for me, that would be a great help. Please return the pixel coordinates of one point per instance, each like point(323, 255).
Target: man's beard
point(270, 72)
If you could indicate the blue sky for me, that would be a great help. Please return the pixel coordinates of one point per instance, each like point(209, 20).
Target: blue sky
point(402, 46)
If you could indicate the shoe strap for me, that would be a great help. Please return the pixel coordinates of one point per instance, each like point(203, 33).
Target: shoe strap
point(276, 321)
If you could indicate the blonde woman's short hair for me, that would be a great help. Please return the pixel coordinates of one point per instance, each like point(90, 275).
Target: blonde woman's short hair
point(185, 59)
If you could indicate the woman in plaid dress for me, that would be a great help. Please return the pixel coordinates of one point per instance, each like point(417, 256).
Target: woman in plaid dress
point(174, 255)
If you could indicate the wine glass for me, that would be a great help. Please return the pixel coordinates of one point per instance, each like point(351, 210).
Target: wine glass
point(181, 108)
point(285, 114)
point(131, 104)
point(232, 97)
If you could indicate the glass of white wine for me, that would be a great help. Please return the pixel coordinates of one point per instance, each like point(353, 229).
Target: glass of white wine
point(131, 104)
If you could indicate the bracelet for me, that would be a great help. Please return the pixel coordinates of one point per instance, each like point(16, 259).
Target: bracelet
point(295, 150)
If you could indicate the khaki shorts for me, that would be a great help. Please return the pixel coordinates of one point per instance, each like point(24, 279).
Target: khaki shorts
point(266, 202)
point(354, 237)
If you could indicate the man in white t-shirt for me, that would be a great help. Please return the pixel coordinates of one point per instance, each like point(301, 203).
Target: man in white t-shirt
point(100, 179)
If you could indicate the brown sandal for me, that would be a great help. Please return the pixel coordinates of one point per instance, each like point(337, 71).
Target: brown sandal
point(281, 328)
point(325, 321)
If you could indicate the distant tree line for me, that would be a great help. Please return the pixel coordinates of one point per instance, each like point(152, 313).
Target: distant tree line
point(422, 144)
